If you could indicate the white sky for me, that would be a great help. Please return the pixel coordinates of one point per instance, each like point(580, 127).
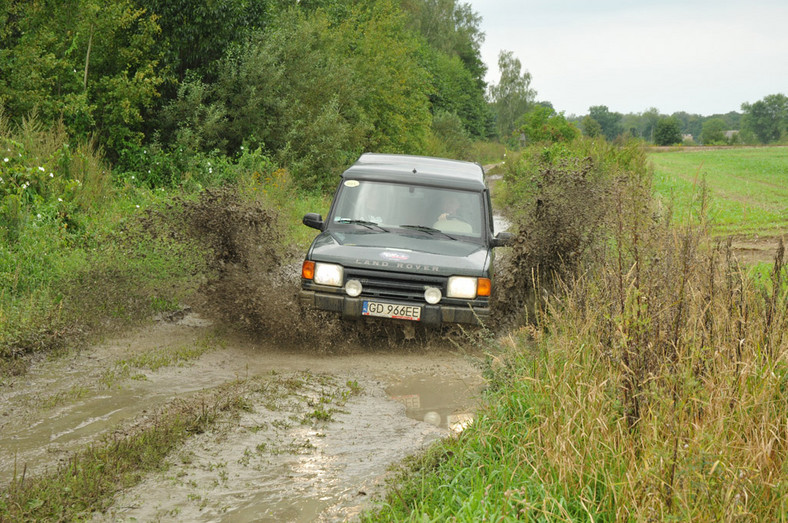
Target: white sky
point(698, 56)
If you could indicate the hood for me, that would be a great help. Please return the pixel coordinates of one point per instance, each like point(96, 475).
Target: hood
point(403, 251)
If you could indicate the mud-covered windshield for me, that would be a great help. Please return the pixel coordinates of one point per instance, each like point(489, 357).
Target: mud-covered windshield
point(413, 207)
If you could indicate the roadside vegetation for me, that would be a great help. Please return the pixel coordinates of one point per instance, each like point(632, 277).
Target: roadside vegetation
point(649, 382)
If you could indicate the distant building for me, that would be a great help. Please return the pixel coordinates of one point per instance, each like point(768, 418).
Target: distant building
point(687, 138)
point(729, 135)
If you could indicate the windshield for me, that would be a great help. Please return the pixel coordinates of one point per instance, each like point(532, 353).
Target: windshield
point(426, 209)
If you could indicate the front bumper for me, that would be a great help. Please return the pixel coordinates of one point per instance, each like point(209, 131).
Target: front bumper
point(430, 314)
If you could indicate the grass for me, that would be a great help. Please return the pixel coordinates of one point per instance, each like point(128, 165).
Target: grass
point(748, 186)
point(81, 251)
point(652, 385)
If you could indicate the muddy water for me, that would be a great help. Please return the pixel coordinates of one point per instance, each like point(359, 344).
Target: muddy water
point(269, 465)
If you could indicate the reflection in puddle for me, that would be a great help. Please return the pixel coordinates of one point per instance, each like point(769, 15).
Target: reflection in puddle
point(439, 401)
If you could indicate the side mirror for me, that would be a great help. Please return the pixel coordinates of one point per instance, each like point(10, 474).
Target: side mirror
point(502, 239)
point(314, 220)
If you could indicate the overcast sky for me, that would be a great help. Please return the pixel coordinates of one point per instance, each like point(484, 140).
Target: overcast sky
point(699, 56)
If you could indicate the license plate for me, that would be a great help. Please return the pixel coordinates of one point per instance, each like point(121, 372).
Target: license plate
point(391, 310)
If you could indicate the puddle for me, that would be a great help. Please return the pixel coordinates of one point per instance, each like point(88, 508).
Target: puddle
point(445, 402)
point(304, 473)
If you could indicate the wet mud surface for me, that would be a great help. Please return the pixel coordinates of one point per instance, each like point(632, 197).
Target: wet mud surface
point(279, 461)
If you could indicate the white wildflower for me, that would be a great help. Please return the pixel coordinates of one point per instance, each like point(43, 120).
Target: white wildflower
point(60, 199)
point(41, 168)
point(138, 206)
point(5, 159)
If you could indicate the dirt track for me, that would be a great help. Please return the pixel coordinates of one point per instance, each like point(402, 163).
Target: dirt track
point(275, 463)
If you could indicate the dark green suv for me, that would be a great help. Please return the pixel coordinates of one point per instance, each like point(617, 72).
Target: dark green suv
point(407, 238)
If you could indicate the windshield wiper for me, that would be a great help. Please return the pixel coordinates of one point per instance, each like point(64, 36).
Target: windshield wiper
point(365, 223)
point(430, 230)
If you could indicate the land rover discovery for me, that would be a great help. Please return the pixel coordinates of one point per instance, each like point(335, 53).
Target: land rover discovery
point(407, 238)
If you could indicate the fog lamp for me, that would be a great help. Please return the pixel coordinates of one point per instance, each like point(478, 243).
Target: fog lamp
point(353, 288)
point(432, 295)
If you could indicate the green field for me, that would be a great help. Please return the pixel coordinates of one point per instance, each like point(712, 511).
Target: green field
point(748, 186)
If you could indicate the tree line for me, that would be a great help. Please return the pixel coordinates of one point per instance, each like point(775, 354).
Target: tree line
point(522, 119)
point(311, 84)
point(762, 122)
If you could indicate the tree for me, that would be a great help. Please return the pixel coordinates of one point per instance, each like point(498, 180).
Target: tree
point(591, 127)
point(457, 91)
point(194, 35)
point(767, 119)
point(315, 93)
point(610, 122)
point(92, 63)
point(450, 28)
point(512, 96)
point(649, 123)
point(668, 131)
point(713, 131)
point(543, 124)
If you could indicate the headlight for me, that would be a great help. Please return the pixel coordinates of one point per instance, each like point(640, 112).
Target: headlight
point(328, 274)
point(461, 287)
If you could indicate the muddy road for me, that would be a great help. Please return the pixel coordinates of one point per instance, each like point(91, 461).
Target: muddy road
point(316, 452)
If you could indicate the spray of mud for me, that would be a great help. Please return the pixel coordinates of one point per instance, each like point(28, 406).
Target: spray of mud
point(558, 229)
point(252, 280)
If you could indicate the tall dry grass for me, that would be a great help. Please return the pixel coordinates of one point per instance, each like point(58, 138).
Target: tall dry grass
point(651, 382)
point(665, 374)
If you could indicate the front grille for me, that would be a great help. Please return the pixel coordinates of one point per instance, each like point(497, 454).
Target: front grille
point(395, 285)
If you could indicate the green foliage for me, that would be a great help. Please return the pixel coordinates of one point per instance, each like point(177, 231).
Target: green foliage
point(449, 138)
point(713, 132)
point(512, 96)
point(667, 132)
point(543, 124)
point(313, 83)
point(92, 63)
point(315, 92)
point(767, 119)
point(452, 29)
point(457, 91)
point(196, 34)
point(44, 181)
point(591, 127)
point(610, 122)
